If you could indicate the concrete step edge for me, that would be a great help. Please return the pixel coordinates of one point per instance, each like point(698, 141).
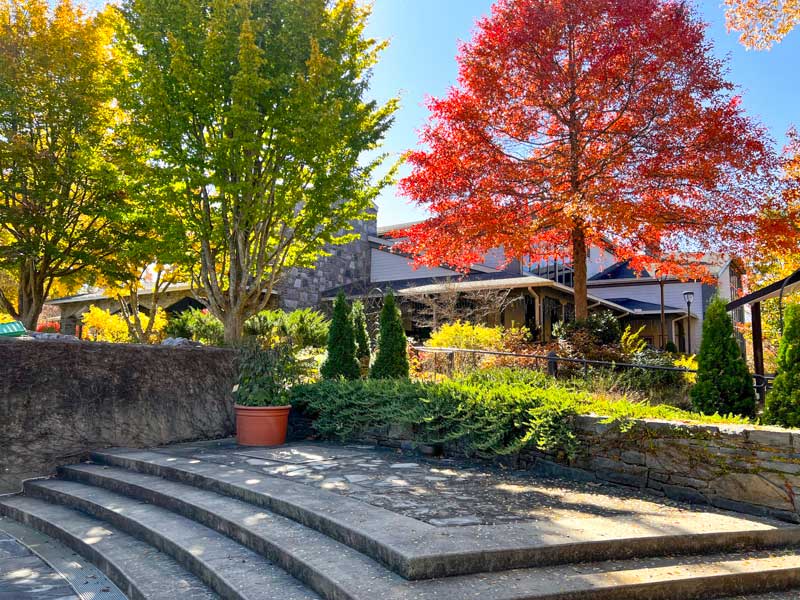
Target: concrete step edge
point(623, 580)
point(213, 558)
point(113, 554)
point(332, 569)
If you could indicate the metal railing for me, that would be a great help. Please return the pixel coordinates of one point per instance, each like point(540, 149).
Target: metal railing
point(550, 362)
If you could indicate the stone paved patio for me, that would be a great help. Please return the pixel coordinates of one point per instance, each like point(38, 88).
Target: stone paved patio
point(449, 492)
point(25, 576)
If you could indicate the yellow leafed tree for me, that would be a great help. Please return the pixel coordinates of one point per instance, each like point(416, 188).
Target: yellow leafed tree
point(761, 23)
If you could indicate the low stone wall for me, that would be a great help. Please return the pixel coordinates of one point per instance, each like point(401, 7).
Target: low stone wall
point(60, 400)
point(755, 470)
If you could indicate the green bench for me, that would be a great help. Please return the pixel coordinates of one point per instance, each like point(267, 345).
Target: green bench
point(12, 329)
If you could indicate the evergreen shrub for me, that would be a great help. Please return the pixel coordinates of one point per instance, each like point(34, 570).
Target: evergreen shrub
point(783, 400)
point(724, 384)
point(341, 360)
point(391, 360)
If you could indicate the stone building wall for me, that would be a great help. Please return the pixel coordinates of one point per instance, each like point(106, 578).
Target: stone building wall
point(749, 469)
point(347, 264)
point(60, 400)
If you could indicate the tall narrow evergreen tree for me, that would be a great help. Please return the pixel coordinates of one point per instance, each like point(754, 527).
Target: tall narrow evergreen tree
point(391, 361)
point(783, 400)
point(363, 346)
point(341, 361)
point(723, 383)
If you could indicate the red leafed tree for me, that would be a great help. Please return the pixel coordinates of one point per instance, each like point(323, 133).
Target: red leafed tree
point(579, 122)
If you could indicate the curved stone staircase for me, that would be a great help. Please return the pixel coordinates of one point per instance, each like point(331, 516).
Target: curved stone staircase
point(164, 526)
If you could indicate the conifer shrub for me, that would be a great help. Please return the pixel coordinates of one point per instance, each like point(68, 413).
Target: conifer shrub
point(391, 361)
point(783, 400)
point(724, 384)
point(363, 345)
point(341, 361)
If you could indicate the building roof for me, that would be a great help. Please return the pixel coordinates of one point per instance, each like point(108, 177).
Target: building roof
point(619, 270)
point(362, 289)
point(523, 282)
point(641, 307)
point(101, 294)
point(384, 229)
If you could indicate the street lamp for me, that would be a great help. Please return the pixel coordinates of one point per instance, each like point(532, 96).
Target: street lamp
point(688, 296)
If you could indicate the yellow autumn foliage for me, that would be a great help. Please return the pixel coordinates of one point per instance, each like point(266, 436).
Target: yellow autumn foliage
point(102, 326)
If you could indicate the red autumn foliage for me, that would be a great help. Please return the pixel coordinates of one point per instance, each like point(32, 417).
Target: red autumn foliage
point(49, 327)
point(584, 122)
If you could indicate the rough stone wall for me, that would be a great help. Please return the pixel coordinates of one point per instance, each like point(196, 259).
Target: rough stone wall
point(755, 470)
point(347, 264)
point(61, 400)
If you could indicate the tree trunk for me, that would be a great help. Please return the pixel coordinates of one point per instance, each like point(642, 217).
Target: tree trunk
point(31, 298)
point(579, 273)
point(234, 328)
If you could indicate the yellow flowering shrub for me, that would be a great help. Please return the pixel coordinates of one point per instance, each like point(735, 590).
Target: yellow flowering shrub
point(687, 362)
point(466, 335)
point(102, 326)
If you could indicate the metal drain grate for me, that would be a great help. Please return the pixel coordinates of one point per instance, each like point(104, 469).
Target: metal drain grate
point(87, 580)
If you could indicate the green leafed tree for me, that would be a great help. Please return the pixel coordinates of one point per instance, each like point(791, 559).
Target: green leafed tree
point(61, 195)
point(341, 361)
point(783, 400)
point(391, 360)
point(724, 384)
point(259, 114)
point(363, 345)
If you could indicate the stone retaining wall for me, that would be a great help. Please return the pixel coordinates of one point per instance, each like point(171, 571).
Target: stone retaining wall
point(60, 400)
point(755, 470)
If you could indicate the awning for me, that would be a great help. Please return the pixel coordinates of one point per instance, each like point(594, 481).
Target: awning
point(789, 284)
point(528, 281)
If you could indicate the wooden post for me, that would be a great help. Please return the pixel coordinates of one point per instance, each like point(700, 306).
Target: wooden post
point(758, 344)
point(758, 351)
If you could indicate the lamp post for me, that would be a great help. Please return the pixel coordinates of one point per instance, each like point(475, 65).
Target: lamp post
point(688, 296)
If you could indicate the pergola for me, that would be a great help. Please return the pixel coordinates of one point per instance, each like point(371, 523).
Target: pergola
point(754, 299)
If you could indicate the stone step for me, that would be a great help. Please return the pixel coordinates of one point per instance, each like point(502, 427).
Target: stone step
point(683, 578)
point(139, 570)
point(228, 568)
point(337, 571)
point(418, 550)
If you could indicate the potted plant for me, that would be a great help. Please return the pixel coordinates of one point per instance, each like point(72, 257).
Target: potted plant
point(262, 394)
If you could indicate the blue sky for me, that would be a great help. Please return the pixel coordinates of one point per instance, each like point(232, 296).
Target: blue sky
point(420, 61)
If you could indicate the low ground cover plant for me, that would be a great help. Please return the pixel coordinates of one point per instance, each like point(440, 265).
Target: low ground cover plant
point(497, 411)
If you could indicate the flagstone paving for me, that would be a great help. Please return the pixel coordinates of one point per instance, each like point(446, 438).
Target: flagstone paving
point(450, 492)
point(25, 576)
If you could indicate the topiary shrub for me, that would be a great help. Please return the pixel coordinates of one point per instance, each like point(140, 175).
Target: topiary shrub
point(724, 384)
point(783, 400)
point(391, 361)
point(363, 345)
point(670, 347)
point(341, 361)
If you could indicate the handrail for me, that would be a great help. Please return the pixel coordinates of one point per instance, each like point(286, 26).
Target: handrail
point(760, 382)
point(553, 357)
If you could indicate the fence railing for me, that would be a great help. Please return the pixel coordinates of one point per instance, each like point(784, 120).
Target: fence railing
point(550, 362)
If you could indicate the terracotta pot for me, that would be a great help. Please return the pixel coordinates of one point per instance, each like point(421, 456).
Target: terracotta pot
point(261, 425)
